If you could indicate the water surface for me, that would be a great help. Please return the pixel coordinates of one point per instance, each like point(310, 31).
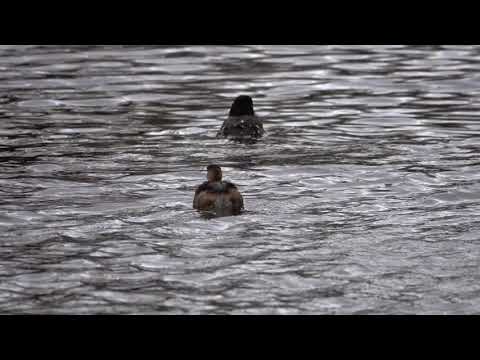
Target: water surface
point(362, 198)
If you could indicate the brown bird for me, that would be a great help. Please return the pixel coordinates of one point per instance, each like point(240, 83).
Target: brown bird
point(216, 195)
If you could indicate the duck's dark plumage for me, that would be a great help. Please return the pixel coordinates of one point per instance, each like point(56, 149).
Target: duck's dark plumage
point(242, 121)
point(242, 126)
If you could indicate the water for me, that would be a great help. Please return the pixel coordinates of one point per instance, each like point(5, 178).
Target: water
point(363, 197)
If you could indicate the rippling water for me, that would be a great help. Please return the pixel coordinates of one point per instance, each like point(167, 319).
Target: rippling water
point(362, 198)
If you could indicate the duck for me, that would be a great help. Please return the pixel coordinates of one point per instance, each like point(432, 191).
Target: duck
point(216, 195)
point(242, 123)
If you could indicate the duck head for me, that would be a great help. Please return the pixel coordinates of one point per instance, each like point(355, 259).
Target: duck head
point(242, 105)
point(214, 173)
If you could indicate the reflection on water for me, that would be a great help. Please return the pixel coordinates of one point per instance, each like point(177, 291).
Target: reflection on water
point(362, 197)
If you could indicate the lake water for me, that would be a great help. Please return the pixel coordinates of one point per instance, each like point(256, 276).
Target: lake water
point(362, 198)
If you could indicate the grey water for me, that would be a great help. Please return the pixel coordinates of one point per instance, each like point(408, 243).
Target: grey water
point(362, 198)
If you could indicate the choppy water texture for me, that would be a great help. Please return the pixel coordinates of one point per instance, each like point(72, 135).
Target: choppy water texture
point(363, 198)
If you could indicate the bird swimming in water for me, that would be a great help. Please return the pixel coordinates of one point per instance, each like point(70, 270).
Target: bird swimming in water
point(217, 195)
point(242, 123)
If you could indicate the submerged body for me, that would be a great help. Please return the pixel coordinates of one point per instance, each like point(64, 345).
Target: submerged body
point(242, 123)
point(221, 197)
point(242, 127)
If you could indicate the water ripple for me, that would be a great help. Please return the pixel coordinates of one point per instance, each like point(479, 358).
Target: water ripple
point(361, 198)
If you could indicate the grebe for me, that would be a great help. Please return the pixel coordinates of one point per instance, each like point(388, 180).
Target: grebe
point(217, 195)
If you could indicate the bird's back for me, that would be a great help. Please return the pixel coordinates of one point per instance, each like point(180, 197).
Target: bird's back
point(247, 126)
point(222, 197)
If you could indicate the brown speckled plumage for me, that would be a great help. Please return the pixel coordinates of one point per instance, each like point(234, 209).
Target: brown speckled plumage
point(219, 196)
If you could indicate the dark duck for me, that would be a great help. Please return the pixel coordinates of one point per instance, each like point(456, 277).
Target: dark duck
point(216, 195)
point(242, 123)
